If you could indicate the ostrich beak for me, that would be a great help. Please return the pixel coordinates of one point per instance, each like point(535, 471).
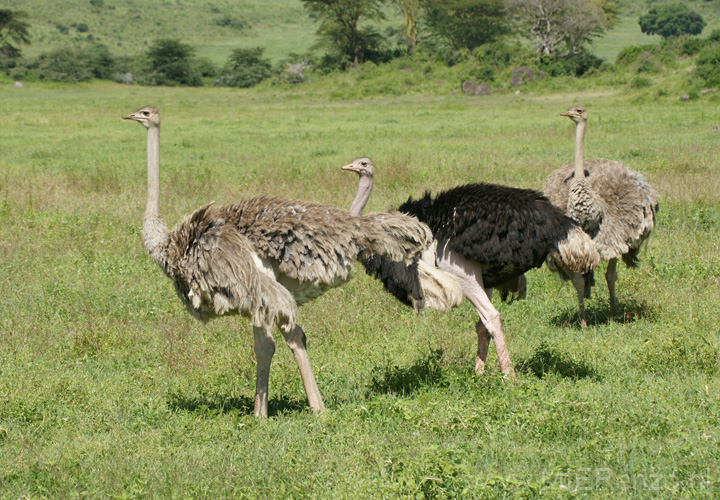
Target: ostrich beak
point(566, 113)
point(129, 117)
point(350, 167)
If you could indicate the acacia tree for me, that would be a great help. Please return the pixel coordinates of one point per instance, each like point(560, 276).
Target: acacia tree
point(466, 23)
point(339, 24)
point(551, 22)
point(410, 9)
point(671, 20)
point(12, 27)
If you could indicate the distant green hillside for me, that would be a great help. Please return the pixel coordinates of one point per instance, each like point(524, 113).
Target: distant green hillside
point(627, 31)
point(214, 28)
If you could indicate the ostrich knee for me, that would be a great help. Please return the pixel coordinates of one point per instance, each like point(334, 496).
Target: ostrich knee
point(297, 342)
point(495, 327)
point(264, 350)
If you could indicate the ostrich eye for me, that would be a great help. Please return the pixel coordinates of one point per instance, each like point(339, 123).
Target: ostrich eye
point(146, 113)
point(363, 163)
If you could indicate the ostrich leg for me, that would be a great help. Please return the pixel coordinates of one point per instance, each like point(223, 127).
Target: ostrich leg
point(611, 277)
point(469, 275)
point(579, 283)
point(297, 342)
point(483, 341)
point(264, 351)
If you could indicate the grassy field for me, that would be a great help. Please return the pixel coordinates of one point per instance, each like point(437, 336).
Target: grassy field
point(108, 389)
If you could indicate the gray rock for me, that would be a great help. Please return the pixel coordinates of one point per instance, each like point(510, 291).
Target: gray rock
point(482, 89)
point(521, 75)
point(468, 87)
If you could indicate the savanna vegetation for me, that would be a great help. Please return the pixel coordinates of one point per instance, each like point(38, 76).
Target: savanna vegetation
point(109, 389)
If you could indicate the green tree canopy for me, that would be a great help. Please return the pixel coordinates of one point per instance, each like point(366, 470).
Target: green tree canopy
point(245, 68)
point(466, 23)
point(339, 25)
point(12, 27)
point(671, 20)
point(170, 63)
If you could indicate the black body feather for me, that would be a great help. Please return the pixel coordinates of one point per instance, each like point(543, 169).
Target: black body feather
point(506, 230)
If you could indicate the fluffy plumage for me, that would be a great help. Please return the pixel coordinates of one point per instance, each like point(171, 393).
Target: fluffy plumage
point(485, 236)
point(616, 206)
point(507, 230)
point(212, 255)
point(623, 213)
point(262, 256)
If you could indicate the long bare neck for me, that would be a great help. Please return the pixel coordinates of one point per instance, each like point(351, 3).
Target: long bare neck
point(580, 150)
point(155, 232)
point(153, 172)
point(363, 195)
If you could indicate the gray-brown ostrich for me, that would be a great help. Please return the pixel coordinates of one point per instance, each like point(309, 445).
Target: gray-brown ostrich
point(261, 257)
point(616, 206)
point(484, 235)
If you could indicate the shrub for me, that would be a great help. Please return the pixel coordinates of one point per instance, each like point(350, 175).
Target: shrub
point(628, 55)
point(82, 28)
point(691, 46)
point(97, 3)
point(65, 65)
point(102, 63)
point(708, 65)
point(714, 36)
point(573, 64)
point(169, 63)
point(245, 68)
point(640, 82)
point(646, 62)
point(231, 22)
point(206, 68)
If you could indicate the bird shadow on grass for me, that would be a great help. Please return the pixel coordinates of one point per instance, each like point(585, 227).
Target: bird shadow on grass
point(404, 381)
point(547, 360)
point(207, 404)
point(628, 312)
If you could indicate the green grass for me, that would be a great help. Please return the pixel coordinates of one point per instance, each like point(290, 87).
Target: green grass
point(128, 27)
point(108, 389)
point(281, 27)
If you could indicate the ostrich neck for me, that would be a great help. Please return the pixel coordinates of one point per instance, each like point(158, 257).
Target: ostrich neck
point(580, 150)
point(155, 232)
point(363, 195)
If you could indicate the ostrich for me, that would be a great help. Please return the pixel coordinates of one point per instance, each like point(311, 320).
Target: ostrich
point(484, 235)
point(616, 206)
point(445, 294)
point(261, 257)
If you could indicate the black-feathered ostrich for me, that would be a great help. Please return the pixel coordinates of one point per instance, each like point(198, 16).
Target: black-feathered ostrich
point(616, 206)
point(484, 235)
point(261, 257)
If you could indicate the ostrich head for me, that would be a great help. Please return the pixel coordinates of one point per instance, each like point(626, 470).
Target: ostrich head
point(363, 166)
point(577, 114)
point(147, 116)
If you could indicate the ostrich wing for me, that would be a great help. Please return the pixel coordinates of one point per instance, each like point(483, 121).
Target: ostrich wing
point(216, 269)
point(630, 204)
point(505, 229)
